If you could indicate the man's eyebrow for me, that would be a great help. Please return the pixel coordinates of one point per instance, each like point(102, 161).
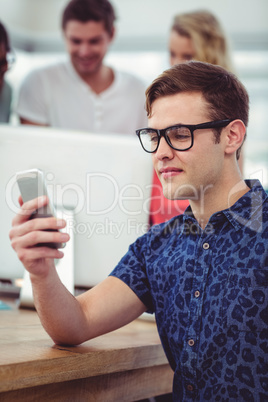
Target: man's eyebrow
point(98, 37)
point(171, 125)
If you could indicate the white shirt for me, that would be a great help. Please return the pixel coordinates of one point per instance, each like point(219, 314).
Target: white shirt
point(56, 96)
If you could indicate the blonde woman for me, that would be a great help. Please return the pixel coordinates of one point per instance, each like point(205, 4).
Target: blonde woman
point(199, 36)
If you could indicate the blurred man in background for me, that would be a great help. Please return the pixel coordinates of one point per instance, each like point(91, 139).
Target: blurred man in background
point(83, 93)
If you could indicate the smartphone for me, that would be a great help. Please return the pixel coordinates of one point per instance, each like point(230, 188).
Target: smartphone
point(31, 184)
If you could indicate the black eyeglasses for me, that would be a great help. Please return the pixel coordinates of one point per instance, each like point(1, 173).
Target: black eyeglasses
point(7, 62)
point(179, 137)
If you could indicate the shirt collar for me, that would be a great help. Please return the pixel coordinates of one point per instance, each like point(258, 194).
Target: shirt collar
point(116, 82)
point(72, 71)
point(242, 213)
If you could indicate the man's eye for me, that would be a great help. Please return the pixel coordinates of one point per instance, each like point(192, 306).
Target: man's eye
point(76, 41)
point(153, 138)
point(181, 137)
point(96, 41)
point(181, 134)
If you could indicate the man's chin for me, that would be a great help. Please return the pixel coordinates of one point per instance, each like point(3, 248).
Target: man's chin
point(171, 195)
point(184, 192)
point(86, 70)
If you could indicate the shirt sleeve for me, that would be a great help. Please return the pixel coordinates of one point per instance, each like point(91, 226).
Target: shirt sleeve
point(32, 104)
point(132, 271)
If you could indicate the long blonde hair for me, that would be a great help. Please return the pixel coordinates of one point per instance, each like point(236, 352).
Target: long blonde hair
point(209, 40)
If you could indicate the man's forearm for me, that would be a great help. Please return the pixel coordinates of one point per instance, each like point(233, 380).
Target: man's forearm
point(59, 311)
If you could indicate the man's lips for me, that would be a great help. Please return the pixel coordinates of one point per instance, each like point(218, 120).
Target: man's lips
point(170, 172)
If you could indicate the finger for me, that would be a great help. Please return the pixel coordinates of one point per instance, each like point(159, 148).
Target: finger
point(20, 200)
point(37, 253)
point(35, 225)
point(31, 225)
point(28, 208)
point(32, 239)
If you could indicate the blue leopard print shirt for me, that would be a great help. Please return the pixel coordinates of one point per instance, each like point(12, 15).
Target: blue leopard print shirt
point(208, 289)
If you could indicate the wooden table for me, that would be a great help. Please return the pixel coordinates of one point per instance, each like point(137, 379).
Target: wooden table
point(126, 365)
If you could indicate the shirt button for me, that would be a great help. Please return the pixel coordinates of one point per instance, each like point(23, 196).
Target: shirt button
point(191, 342)
point(205, 246)
point(190, 387)
point(197, 293)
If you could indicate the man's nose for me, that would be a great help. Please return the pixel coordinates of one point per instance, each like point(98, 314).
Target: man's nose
point(164, 150)
point(84, 49)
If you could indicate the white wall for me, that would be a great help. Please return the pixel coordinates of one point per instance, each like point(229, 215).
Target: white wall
point(141, 22)
point(149, 17)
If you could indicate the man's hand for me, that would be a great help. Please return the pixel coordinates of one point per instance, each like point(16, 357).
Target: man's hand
point(26, 233)
point(68, 320)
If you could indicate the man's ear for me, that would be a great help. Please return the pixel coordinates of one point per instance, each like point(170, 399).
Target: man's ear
point(112, 34)
point(236, 132)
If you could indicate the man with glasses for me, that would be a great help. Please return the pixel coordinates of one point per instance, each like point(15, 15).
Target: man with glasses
point(83, 93)
point(6, 61)
point(204, 273)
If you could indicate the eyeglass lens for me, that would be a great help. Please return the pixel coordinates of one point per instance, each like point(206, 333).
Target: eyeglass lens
point(7, 61)
point(179, 137)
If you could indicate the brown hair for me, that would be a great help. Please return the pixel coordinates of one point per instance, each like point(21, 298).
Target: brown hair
point(208, 37)
point(4, 37)
point(225, 96)
point(90, 10)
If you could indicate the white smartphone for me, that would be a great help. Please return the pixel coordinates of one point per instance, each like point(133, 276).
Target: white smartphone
point(32, 185)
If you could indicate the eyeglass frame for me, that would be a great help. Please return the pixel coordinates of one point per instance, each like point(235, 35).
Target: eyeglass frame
point(7, 62)
point(190, 127)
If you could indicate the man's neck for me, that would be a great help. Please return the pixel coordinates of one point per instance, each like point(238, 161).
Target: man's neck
point(100, 80)
point(215, 200)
